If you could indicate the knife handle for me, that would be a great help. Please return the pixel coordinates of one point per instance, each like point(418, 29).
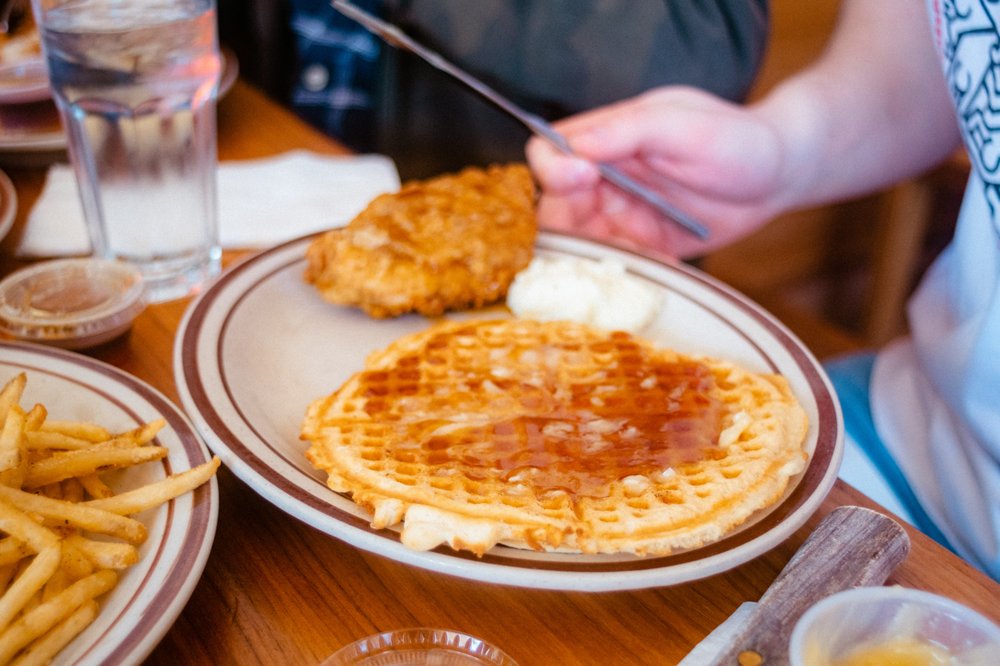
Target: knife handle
point(851, 547)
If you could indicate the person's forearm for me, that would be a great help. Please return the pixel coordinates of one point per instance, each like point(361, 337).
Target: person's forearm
point(874, 109)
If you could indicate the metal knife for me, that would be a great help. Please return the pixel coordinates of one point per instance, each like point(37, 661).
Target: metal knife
point(396, 37)
point(851, 547)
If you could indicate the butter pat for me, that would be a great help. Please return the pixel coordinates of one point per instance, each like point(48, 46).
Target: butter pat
point(599, 293)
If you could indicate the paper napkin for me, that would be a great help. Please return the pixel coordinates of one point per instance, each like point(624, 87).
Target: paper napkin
point(262, 202)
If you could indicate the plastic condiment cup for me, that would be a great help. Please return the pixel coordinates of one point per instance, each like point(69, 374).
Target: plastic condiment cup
point(71, 303)
point(419, 647)
point(890, 626)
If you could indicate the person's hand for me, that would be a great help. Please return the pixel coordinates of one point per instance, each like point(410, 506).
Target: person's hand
point(714, 160)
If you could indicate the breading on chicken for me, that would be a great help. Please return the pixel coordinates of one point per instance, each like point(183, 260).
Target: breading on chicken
point(446, 243)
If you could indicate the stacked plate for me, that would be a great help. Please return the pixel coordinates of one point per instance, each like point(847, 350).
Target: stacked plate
point(29, 121)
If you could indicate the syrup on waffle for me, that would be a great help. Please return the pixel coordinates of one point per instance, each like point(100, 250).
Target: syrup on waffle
point(450, 242)
point(555, 436)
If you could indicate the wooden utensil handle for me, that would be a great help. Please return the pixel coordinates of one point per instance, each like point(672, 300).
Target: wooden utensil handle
point(851, 547)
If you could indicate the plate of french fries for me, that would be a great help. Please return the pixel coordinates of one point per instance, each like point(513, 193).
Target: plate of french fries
point(108, 509)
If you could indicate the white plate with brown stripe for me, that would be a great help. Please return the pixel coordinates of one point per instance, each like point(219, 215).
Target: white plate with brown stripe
point(260, 344)
point(149, 596)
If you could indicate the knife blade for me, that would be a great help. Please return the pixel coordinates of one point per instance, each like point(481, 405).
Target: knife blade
point(538, 125)
point(851, 547)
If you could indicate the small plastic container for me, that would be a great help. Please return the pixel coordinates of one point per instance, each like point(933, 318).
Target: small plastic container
point(441, 647)
point(889, 625)
point(71, 303)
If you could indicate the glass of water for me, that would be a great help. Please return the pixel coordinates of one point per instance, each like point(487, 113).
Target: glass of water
point(136, 82)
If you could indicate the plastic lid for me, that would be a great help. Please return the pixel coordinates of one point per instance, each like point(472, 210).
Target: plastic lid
point(441, 647)
point(71, 303)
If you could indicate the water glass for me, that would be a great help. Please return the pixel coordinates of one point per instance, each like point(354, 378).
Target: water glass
point(135, 82)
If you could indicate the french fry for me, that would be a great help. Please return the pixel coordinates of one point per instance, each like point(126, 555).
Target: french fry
point(39, 620)
point(52, 491)
point(72, 435)
point(18, 524)
point(42, 439)
point(158, 492)
point(31, 580)
point(87, 518)
point(59, 581)
point(33, 603)
point(104, 554)
point(75, 563)
point(73, 490)
point(13, 453)
point(35, 417)
point(11, 393)
point(19, 569)
point(7, 572)
point(78, 430)
point(84, 462)
point(95, 487)
point(48, 646)
point(13, 550)
point(144, 433)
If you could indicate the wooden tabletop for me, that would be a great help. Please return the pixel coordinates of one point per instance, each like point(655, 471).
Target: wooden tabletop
point(276, 591)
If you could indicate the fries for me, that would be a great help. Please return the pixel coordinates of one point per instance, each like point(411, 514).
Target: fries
point(84, 462)
point(157, 493)
point(65, 532)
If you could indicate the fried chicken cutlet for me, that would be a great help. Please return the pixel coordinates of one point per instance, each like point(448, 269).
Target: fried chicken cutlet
point(451, 242)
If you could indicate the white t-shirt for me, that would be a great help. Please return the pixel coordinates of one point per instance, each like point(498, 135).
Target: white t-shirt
point(936, 394)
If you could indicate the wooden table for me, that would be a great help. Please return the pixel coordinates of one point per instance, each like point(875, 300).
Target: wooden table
point(276, 591)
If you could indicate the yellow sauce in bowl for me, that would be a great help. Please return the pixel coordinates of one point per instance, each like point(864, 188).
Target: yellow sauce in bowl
point(897, 652)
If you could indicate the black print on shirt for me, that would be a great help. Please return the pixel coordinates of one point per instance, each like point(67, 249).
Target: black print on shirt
point(970, 29)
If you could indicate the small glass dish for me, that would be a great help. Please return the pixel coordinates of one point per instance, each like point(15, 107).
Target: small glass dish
point(890, 625)
point(71, 303)
point(441, 647)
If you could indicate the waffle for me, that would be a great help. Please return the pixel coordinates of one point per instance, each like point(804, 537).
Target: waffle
point(555, 436)
point(447, 243)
